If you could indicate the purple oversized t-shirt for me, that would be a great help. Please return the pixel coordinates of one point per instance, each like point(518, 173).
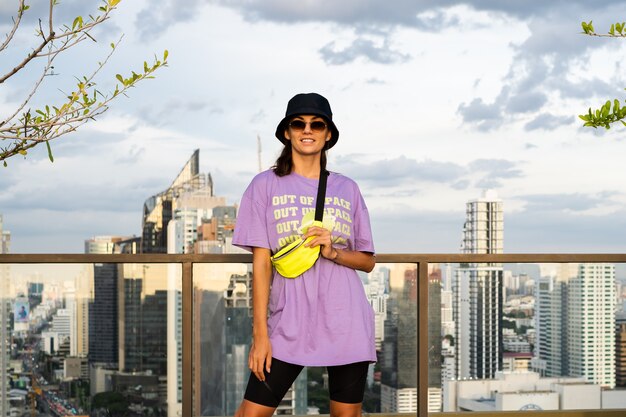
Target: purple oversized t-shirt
point(323, 317)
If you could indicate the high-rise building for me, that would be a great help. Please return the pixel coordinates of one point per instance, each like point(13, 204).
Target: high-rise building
point(591, 324)
point(434, 338)
point(189, 190)
point(5, 329)
point(477, 292)
point(620, 350)
point(575, 323)
point(224, 336)
point(103, 307)
point(377, 294)
point(398, 393)
point(551, 323)
point(102, 244)
point(188, 202)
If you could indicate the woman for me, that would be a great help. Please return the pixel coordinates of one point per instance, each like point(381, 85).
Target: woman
point(321, 318)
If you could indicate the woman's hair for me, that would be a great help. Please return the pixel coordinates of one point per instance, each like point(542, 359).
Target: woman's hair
point(284, 163)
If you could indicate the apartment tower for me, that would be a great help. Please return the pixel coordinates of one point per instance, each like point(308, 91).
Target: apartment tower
point(575, 322)
point(477, 292)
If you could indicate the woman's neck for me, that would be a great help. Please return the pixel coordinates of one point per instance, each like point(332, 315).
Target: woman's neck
point(307, 166)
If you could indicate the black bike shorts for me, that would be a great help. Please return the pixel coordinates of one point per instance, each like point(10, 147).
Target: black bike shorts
point(346, 383)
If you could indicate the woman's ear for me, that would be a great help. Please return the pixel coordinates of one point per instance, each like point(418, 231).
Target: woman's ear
point(287, 134)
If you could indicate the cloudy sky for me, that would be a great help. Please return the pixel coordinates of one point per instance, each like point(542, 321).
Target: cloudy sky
point(436, 101)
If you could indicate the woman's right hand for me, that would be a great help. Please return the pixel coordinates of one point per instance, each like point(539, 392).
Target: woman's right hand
point(260, 355)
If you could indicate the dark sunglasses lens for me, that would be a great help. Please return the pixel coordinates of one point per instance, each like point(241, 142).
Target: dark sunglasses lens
point(318, 126)
point(297, 125)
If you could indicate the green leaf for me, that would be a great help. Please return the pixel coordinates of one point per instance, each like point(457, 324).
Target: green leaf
point(120, 78)
point(5, 163)
point(22, 152)
point(114, 3)
point(75, 23)
point(165, 55)
point(612, 30)
point(49, 152)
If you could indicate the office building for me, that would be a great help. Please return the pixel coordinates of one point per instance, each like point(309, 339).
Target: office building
point(5, 324)
point(375, 290)
point(190, 202)
point(620, 350)
point(477, 292)
point(225, 333)
point(399, 349)
point(528, 391)
point(102, 244)
point(190, 190)
point(102, 310)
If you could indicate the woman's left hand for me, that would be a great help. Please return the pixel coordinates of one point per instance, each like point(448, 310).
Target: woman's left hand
point(322, 237)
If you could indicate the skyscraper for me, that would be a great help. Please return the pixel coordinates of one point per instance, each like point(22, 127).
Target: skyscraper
point(179, 210)
point(398, 393)
point(591, 324)
point(550, 318)
point(5, 330)
point(620, 350)
point(189, 190)
point(477, 292)
point(103, 308)
point(575, 322)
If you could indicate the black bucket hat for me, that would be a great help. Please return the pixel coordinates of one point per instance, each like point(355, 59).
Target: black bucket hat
point(308, 103)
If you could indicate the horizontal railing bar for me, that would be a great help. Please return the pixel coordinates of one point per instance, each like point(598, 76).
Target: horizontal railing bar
point(247, 258)
point(541, 413)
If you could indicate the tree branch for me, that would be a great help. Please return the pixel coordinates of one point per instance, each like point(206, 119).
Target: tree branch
point(16, 23)
point(28, 58)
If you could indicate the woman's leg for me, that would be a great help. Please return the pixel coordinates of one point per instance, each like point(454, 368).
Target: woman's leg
point(262, 397)
point(250, 409)
point(338, 409)
point(346, 386)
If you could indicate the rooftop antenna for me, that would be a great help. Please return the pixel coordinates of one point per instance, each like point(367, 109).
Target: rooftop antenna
point(258, 146)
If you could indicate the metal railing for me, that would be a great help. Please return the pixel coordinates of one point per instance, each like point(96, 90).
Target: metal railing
point(421, 260)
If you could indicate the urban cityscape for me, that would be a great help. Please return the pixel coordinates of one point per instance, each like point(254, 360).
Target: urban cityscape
point(106, 339)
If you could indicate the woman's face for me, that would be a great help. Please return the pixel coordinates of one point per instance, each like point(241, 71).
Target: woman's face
point(307, 134)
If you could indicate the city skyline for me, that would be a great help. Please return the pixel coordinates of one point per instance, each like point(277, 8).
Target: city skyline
point(434, 103)
point(149, 294)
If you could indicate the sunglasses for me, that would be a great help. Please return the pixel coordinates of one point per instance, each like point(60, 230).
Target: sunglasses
point(316, 126)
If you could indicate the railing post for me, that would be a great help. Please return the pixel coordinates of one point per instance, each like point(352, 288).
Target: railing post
point(187, 307)
point(422, 339)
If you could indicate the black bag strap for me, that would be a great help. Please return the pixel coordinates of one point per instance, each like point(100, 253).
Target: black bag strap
point(321, 195)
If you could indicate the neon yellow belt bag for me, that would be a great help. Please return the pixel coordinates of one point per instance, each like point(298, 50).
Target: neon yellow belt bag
point(294, 259)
